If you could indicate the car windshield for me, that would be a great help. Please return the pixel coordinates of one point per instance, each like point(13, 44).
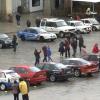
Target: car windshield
point(60, 66)
point(94, 21)
point(79, 24)
point(61, 23)
point(3, 36)
point(34, 69)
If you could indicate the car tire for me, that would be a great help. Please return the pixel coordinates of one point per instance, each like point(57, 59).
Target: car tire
point(52, 78)
point(94, 28)
point(41, 39)
point(2, 87)
point(61, 34)
point(23, 38)
point(77, 73)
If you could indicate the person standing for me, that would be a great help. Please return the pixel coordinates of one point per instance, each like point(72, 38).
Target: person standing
point(74, 45)
point(37, 56)
point(44, 49)
point(49, 53)
point(61, 48)
point(67, 48)
point(37, 21)
point(24, 89)
point(81, 42)
point(28, 23)
point(14, 42)
point(15, 90)
point(18, 16)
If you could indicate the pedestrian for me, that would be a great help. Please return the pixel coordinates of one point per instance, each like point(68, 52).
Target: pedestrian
point(15, 90)
point(44, 49)
point(49, 53)
point(28, 23)
point(61, 48)
point(18, 16)
point(95, 49)
point(81, 42)
point(37, 21)
point(67, 48)
point(74, 45)
point(14, 42)
point(24, 89)
point(37, 56)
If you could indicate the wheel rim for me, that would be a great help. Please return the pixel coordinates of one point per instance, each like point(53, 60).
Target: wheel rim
point(2, 87)
point(77, 73)
point(52, 78)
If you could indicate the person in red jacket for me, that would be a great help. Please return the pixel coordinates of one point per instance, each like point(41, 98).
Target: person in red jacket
point(95, 48)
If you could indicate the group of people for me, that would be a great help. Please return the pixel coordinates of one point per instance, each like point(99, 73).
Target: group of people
point(46, 53)
point(65, 46)
point(21, 87)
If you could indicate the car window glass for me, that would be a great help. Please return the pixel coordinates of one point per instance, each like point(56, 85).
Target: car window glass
point(2, 75)
point(86, 21)
point(21, 70)
point(74, 62)
point(25, 30)
point(32, 31)
point(46, 67)
point(66, 62)
point(93, 58)
point(52, 67)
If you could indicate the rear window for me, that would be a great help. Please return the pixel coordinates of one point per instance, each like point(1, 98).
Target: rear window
point(34, 69)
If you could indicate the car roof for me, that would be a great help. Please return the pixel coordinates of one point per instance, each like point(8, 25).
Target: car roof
point(5, 71)
point(88, 19)
point(74, 21)
point(74, 59)
point(52, 19)
point(24, 66)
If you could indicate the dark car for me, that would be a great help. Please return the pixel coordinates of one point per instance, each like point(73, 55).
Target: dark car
point(92, 58)
point(80, 66)
point(56, 71)
point(5, 41)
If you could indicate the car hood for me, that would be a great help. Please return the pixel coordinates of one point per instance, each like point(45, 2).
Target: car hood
point(47, 34)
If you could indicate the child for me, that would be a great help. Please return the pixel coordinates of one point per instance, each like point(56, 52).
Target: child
point(95, 49)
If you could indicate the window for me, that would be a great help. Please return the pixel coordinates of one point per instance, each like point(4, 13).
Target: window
point(51, 24)
point(2, 75)
point(86, 21)
point(35, 3)
point(32, 31)
point(21, 70)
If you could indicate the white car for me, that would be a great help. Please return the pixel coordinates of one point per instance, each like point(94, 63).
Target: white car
point(36, 33)
point(93, 22)
point(57, 26)
point(7, 77)
point(80, 27)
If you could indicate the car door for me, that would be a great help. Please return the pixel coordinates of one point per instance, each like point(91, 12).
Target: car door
point(3, 77)
point(32, 34)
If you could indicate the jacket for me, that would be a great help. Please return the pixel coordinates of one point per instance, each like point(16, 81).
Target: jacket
point(23, 87)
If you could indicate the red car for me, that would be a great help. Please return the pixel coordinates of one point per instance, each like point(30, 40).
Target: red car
point(32, 74)
point(80, 66)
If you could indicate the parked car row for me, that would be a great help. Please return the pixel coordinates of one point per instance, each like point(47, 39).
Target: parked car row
point(51, 71)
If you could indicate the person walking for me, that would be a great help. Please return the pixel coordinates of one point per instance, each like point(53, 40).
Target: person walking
point(74, 45)
point(81, 42)
point(67, 48)
point(44, 49)
point(28, 23)
point(37, 21)
point(49, 53)
point(15, 90)
point(18, 16)
point(37, 56)
point(14, 42)
point(24, 89)
point(61, 48)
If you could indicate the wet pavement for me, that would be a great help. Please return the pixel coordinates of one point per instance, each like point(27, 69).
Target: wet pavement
point(85, 88)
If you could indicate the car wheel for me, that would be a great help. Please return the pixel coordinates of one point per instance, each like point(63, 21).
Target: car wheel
point(61, 34)
point(77, 73)
point(2, 87)
point(41, 39)
point(52, 78)
point(94, 28)
point(23, 38)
